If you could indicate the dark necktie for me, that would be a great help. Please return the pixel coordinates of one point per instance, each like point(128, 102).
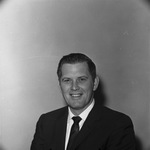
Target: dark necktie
point(74, 131)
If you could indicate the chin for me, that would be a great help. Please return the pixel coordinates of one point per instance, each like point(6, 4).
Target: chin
point(76, 107)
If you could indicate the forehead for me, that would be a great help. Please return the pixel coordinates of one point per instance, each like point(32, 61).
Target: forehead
point(77, 68)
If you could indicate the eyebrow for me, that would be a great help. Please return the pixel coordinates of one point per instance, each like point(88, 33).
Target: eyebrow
point(83, 76)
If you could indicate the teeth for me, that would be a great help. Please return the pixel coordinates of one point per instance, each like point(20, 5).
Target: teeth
point(75, 95)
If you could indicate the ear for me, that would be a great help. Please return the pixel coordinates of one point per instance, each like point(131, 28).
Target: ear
point(96, 83)
point(59, 86)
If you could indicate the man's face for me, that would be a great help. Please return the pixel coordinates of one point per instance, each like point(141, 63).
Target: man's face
point(77, 86)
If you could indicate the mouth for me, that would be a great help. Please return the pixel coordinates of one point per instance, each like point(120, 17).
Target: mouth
point(76, 96)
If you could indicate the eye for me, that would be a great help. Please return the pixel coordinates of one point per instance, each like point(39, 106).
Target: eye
point(82, 79)
point(66, 80)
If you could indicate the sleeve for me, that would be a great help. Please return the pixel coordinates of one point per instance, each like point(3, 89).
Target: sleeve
point(122, 137)
point(38, 139)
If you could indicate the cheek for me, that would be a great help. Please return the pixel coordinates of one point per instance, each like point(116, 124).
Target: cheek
point(88, 88)
point(64, 88)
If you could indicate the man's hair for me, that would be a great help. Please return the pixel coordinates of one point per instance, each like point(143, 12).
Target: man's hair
point(74, 58)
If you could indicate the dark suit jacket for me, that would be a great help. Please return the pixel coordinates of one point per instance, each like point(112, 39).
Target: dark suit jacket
point(104, 129)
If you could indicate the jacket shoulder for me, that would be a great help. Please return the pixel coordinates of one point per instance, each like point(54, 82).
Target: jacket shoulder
point(113, 115)
point(55, 114)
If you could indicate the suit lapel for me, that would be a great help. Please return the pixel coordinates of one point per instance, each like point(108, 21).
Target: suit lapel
point(60, 131)
point(89, 125)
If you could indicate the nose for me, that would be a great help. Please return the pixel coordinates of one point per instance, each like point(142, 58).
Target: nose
point(74, 86)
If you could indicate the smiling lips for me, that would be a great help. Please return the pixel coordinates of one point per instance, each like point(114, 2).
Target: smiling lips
point(76, 95)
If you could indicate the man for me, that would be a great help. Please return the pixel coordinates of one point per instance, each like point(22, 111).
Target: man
point(98, 127)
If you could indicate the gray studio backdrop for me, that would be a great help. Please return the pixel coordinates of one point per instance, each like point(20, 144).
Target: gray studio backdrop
point(35, 34)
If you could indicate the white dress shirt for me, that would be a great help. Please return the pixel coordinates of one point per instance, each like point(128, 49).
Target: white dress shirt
point(83, 116)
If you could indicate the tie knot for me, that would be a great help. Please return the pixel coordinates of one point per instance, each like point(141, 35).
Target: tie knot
point(76, 119)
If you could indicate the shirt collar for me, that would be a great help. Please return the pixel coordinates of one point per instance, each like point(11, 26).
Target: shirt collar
point(84, 114)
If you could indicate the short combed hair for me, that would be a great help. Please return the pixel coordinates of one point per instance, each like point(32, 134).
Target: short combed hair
point(74, 58)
